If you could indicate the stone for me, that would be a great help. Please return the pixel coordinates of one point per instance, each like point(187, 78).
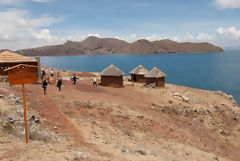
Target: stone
point(35, 119)
point(185, 98)
point(19, 110)
point(123, 149)
point(11, 96)
point(10, 119)
point(141, 152)
point(1, 96)
point(17, 100)
point(75, 159)
point(59, 150)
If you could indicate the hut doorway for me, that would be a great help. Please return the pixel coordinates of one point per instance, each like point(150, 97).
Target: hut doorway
point(134, 78)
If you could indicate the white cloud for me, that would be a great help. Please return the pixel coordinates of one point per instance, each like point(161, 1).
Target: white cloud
point(223, 37)
point(204, 37)
point(10, 2)
point(96, 35)
point(41, 1)
point(18, 30)
point(231, 33)
point(233, 4)
point(152, 37)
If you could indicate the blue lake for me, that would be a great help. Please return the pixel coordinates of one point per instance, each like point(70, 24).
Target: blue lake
point(211, 71)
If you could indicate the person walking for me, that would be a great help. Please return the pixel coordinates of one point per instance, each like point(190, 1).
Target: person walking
point(94, 81)
point(44, 85)
point(59, 84)
point(74, 79)
point(51, 72)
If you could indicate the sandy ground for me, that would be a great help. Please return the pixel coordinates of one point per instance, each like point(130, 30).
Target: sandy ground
point(131, 123)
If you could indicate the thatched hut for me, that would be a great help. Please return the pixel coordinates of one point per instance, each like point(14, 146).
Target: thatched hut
point(137, 74)
point(112, 76)
point(155, 76)
point(9, 59)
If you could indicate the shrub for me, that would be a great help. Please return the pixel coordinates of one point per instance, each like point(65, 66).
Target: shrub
point(8, 128)
point(35, 135)
point(170, 101)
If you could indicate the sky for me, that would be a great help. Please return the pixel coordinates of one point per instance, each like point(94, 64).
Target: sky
point(34, 23)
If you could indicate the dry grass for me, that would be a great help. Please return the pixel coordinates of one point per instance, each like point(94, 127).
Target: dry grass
point(35, 135)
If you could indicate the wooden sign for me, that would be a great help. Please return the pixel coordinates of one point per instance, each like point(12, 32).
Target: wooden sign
point(21, 74)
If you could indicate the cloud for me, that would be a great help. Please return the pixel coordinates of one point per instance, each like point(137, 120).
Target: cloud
point(18, 30)
point(232, 4)
point(223, 37)
point(96, 35)
point(41, 1)
point(231, 33)
point(10, 2)
point(204, 37)
point(152, 37)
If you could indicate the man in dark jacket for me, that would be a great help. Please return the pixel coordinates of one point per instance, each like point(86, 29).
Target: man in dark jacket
point(74, 79)
point(59, 84)
point(44, 85)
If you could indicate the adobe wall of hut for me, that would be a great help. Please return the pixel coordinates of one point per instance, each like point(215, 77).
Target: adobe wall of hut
point(138, 78)
point(4, 66)
point(160, 82)
point(112, 81)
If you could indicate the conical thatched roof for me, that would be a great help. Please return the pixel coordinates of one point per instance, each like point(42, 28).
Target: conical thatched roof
point(7, 56)
point(155, 73)
point(139, 70)
point(112, 71)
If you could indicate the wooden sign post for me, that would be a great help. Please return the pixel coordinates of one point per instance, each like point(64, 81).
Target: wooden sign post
point(20, 75)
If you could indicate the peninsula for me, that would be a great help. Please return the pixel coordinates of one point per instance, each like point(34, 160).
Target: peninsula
point(95, 45)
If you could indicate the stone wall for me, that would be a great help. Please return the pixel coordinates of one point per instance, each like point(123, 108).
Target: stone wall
point(139, 78)
point(160, 82)
point(113, 81)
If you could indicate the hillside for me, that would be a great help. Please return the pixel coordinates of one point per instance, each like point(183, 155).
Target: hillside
point(94, 45)
point(84, 122)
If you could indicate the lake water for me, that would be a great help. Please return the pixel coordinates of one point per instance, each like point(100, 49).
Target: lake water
point(211, 71)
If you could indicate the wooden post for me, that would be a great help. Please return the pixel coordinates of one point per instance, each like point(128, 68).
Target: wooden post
point(25, 113)
point(20, 75)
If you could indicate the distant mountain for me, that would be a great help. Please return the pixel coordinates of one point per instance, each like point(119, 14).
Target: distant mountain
point(94, 45)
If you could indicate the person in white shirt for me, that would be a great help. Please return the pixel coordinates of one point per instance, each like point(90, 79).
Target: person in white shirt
point(94, 81)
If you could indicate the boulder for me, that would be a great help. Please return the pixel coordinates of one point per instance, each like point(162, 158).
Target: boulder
point(1, 96)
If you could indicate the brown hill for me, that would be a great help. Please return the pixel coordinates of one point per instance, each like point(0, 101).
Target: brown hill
point(94, 45)
point(186, 47)
point(141, 47)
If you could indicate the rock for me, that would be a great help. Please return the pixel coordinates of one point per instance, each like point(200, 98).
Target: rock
point(17, 100)
point(180, 97)
point(19, 110)
point(97, 136)
point(185, 98)
point(75, 159)
point(11, 96)
point(141, 152)
point(55, 127)
point(44, 120)
point(1, 96)
point(35, 119)
point(123, 149)
point(10, 119)
point(224, 132)
point(82, 155)
point(58, 150)
point(152, 85)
